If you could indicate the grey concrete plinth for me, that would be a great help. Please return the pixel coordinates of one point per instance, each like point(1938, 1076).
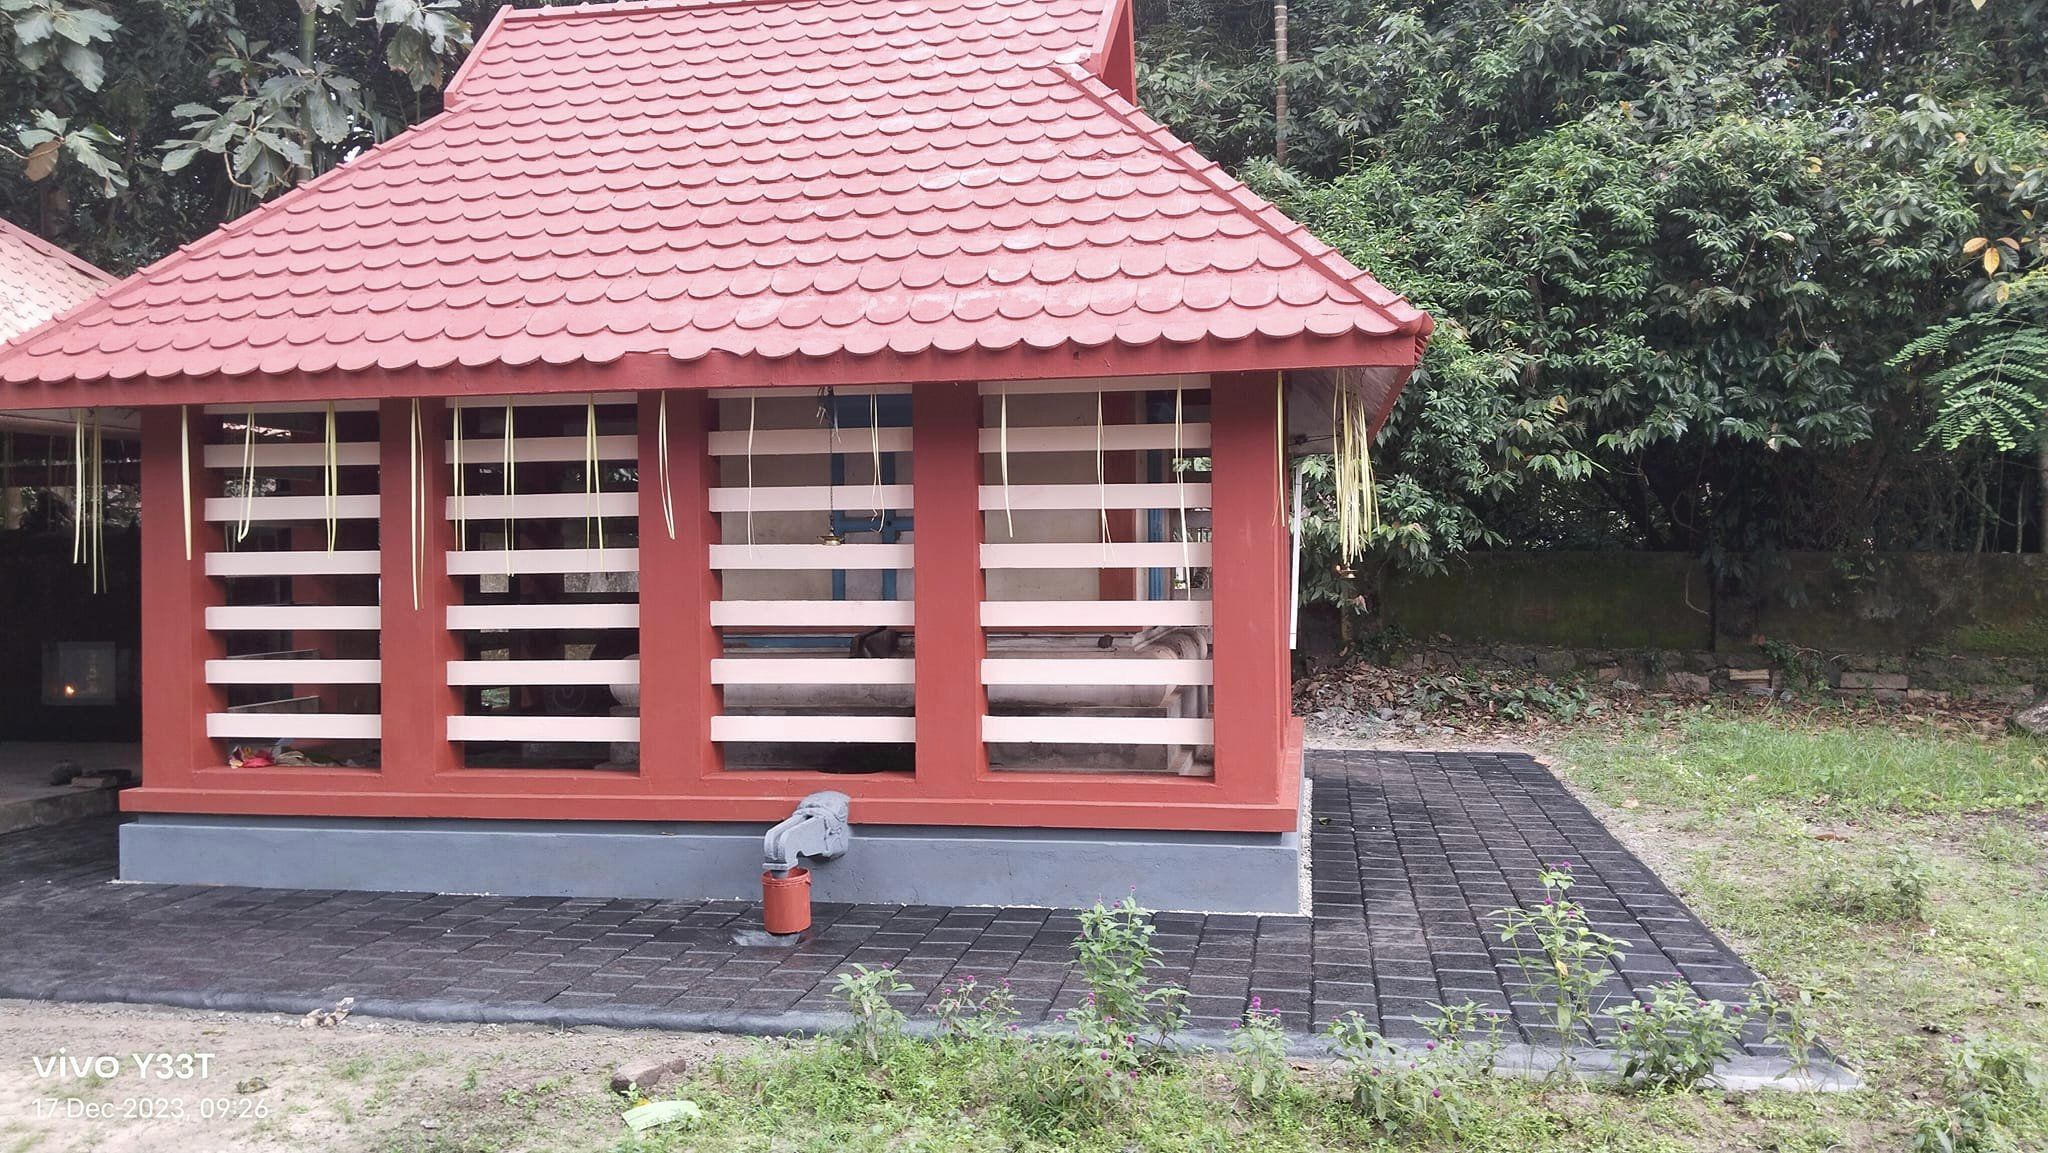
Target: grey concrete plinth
point(1195, 872)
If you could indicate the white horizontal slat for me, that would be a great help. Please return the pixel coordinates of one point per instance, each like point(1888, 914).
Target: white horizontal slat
point(299, 455)
point(546, 400)
point(493, 617)
point(1099, 730)
point(544, 672)
point(595, 729)
point(311, 562)
point(1081, 438)
point(290, 618)
point(1093, 614)
point(290, 406)
point(811, 556)
point(1117, 554)
point(1091, 496)
point(1110, 384)
point(811, 671)
point(495, 561)
point(295, 726)
point(292, 672)
point(814, 614)
point(547, 505)
point(801, 441)
point(1096, 671)
point(273, 508)
point(489, 450)
point(818, 730)
point(810, 497)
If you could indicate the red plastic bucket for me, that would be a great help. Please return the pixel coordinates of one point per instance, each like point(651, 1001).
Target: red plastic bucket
point(786, 902)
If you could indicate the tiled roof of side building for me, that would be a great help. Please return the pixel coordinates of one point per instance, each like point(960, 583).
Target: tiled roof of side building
point(39, 280)
point(796, 191)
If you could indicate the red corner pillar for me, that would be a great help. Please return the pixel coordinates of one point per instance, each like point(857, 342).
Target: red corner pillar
point(946, 499)
point(176, 593)
point(416, 644)
point(1249, 587)
point(677, 587)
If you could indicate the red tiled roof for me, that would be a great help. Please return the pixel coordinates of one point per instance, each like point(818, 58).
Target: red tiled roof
point(792, 191)
point(38, 280)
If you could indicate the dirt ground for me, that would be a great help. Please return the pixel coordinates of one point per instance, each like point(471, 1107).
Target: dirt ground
point(268, 1084)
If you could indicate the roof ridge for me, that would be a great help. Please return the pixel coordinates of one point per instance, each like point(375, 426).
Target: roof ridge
point(634, 8)
point(52, 248)
point(1140, 122)
point(103, 281)
point(453, 91)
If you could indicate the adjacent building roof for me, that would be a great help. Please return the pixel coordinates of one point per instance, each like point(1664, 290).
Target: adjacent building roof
point(39, 280)
point(712, 193)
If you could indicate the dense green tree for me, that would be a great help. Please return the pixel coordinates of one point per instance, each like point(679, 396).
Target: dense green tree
point(137, 125)
point(1673, 245)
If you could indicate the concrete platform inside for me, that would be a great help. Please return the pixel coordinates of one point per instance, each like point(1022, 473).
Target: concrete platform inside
point(27, 796)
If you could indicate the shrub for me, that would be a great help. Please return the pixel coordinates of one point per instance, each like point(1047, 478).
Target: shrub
point(1565, 960)
point(1060, 1086)
point(1999, 1096)
point(1453, 1030)
point(1258, 1048)
point(877, 1025)
point(1899, 896)
point(975, 1011)
point(1788, 1023)
point(1113, 953)
point(1400, 1090)
point(1675, 1039)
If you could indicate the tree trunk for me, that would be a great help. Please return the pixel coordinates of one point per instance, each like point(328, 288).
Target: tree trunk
point(2041, 505)
point(1280, 82)
point(309, 14)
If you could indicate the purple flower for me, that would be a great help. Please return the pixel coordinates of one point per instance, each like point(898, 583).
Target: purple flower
point(1436, 1092)
point(1431, 1046)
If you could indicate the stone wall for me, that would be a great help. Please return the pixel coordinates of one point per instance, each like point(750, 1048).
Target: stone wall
point(1920, 679)
point(1906, 625)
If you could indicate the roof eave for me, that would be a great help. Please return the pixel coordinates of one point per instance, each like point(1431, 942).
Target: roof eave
point(652, 371)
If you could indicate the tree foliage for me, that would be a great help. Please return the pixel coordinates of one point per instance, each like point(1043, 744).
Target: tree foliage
point(1672, 245)
point(136, 126)
point(1992, 379)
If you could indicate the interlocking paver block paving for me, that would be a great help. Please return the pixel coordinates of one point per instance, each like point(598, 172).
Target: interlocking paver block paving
point(1413, 853)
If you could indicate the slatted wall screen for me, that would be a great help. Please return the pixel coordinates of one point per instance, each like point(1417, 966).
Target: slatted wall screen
point(814, 504)
point(1096, 558)
point(549, 573)
point(298, 613)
